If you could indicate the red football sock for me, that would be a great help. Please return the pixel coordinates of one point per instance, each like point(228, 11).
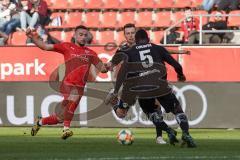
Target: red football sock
point(51, 120)
point(69, 112)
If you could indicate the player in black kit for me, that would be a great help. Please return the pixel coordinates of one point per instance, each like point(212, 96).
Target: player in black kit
point(129, 34)
point(143, 76)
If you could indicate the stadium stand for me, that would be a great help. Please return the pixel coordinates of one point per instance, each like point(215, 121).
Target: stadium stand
point(18, 38)
point(107, 36)
point(146, 4)
point(127, 17)
point(91, 19)
point(128, 4)
point(182, 3)
point(164, 3)
point(93, 4)
point(108, 19)
point(144, 19)
point(234, 20)
point(77, 4)
point(73, 19)
point(162, 18)
point(111, 15)
point(111, 4)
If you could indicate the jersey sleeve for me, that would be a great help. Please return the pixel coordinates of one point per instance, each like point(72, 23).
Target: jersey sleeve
point(95, 59)
point(171, 61)
point(60, 47)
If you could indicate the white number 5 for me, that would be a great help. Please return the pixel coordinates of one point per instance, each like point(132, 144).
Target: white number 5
point(144, 56)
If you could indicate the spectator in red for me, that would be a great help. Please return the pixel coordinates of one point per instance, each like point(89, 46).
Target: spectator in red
point(189, 25)
point(34, 13)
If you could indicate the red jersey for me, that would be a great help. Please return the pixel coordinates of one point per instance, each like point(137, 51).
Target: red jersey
point(189, 26)
point(77, 61)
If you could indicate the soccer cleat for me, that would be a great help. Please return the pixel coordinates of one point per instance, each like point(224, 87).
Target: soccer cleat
point(160, 140)
point(36, 126)
point(172, 136)
point(187, 139)
point(66, 134)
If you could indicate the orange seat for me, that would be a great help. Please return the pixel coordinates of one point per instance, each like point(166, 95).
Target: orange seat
point(144, 19)
point(128, 3)
point(108, 19)
point(115, 4)
point(91, 19)
point(234, 20)
point(182, 3)
point(177, 16)
point(156, 36)
point(78, 4)
point(146, 4)
point(73, 19)
point(120, 39)
point(106, 37)
point(204, 19)
point(56, 35)
point(164, 4)
point(95, 37)
point(18, 38)
point(196, 3)
point(127, 17)
point(59, 4)
point(162, 19)
point(67, 36)
point(94, 4)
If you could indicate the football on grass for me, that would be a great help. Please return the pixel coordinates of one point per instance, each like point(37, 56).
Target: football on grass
point(125, 137)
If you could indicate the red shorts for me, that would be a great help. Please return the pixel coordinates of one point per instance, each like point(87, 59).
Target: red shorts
point(71, 90)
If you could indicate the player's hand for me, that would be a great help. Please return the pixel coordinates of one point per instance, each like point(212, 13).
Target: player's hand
point(181, 78)
point(109, 66)
point(31, 33)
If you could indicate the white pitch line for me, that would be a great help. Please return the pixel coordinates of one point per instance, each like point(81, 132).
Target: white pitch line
point(158, 157)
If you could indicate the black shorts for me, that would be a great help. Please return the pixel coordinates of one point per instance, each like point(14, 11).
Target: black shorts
point(169, 102)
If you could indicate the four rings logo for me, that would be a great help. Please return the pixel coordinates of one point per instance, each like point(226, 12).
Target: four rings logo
point(138, 115)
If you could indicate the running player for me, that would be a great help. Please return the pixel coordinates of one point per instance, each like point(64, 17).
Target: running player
point(78, 60)
point(147, 54)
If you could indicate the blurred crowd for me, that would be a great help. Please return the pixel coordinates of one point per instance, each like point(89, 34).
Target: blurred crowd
point(189, 29)
point(34, 14)
point(21, 15)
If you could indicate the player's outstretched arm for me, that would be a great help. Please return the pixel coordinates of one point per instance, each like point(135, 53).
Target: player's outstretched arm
point(38, 42)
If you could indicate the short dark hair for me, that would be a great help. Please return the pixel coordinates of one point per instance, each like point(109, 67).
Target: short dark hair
point(141, 36)
point(128, 25)
point(80, 27)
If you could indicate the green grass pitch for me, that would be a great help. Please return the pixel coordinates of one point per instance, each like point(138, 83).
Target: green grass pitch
point(97, 143)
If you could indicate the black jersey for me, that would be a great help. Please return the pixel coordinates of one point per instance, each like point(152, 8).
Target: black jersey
point(117, 58)
point(151, 53)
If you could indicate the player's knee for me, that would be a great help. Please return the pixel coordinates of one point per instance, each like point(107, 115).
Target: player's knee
point(156, 117)
point(177, 109)
point(181, 117)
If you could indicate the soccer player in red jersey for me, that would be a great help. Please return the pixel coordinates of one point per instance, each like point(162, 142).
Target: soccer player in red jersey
point(78, 60)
